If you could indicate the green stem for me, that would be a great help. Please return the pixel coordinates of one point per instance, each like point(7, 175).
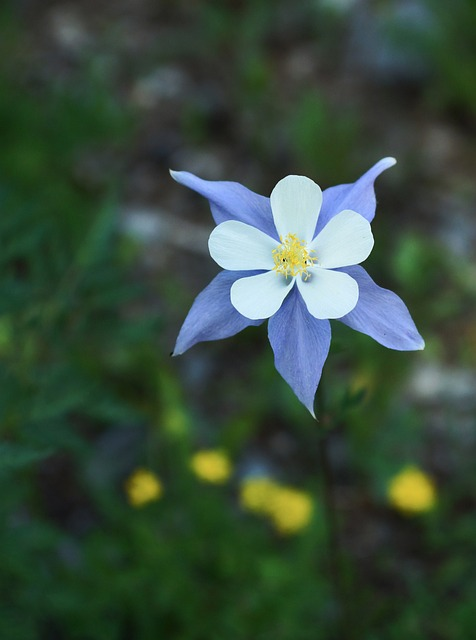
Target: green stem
point(334, 546)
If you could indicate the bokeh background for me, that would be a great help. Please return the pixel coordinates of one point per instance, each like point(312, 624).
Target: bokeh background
point(117, 522)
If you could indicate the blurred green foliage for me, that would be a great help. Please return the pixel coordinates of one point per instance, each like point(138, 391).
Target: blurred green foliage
point(450, 47)
point(323, 137)
point(443, 42)
point(88, 393)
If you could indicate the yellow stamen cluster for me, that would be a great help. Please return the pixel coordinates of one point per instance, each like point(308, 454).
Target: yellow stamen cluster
point(292, 257)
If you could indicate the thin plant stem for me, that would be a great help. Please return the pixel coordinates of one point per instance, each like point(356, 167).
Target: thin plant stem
point(334, 545)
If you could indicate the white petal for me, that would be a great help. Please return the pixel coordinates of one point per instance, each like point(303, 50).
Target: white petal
point(237, 246)
point(259, 297)
point(295, 203)
point(328, 294)
point(345, 240)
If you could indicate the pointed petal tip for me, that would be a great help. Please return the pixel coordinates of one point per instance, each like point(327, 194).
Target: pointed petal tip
point(179, 348)
point(389, 161)
point(310, 406)
point(418, 343)
point(181, 177)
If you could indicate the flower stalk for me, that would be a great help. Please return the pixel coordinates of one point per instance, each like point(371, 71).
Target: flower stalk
point(335, 553)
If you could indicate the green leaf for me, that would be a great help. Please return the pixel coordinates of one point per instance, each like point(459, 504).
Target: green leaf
point(16, 456)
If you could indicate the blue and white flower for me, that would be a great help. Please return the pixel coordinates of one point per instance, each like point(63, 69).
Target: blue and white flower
point(294, 258)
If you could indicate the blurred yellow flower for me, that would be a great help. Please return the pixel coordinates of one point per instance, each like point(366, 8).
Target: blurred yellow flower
point(290, 510)
point(412, 491)
point(211, 465)
point(142, 487)
point(257, 494)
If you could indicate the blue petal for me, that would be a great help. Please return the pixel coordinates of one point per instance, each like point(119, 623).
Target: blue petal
point(212, 315)
point(382, 315)
point(300, 344)
point(231, 201)
point(359, 196)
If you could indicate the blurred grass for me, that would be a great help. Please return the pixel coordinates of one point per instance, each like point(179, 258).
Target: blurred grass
point(88, 393)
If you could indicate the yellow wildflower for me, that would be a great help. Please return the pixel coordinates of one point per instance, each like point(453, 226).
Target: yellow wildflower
point(412, 491)
point(211, 465)
point(257, 494)
point(142, 487)
point(291, 510)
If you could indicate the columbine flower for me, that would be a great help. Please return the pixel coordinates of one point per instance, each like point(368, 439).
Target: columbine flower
point(143, 486)
point(293, 258)
point(211, 465)
point(412, 491)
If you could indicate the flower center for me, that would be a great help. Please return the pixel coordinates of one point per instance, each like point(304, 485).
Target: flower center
point(292, 257)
